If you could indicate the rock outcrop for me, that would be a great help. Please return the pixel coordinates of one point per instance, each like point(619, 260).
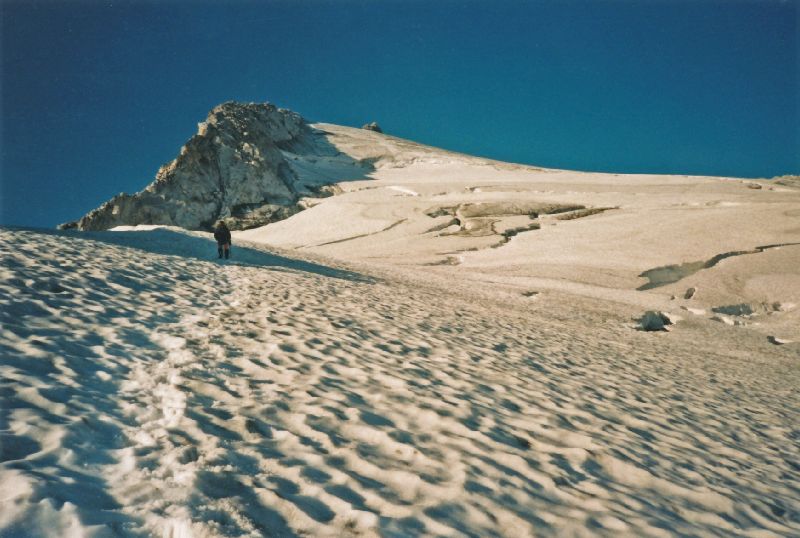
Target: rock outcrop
point(653, 320)
point(373, 126)
point(237, 168)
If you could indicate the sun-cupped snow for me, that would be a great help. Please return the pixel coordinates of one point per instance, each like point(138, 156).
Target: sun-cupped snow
point(149, 389)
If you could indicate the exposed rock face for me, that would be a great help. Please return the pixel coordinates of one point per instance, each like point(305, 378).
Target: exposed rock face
point(235, 168)
point(373, 126)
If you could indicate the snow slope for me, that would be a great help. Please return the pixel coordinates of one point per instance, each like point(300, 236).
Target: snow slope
point(149, 390)
point(505, 225)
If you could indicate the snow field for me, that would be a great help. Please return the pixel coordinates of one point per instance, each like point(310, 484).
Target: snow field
point(153, 394)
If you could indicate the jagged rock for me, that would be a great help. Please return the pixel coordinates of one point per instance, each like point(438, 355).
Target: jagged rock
point(232, 169)
point(373, 126)
point(778, 341)
point(653, 320)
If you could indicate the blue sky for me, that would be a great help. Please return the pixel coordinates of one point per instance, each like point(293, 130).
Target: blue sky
point(97, 95)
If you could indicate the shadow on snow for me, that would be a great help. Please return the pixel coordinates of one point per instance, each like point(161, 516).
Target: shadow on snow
point(186, 244)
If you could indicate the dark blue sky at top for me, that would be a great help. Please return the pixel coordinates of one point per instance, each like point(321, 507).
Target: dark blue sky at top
point(97, 95)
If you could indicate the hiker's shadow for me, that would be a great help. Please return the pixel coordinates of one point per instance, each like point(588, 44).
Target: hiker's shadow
point(200, 246)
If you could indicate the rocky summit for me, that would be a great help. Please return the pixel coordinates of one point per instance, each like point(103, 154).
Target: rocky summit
point(241, 167)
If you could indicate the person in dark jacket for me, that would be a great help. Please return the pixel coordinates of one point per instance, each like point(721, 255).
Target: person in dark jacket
point(223, 236)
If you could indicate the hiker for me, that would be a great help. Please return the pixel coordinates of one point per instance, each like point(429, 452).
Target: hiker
point(223, 236)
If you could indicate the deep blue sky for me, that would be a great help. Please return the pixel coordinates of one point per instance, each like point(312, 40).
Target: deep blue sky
point(97, 95)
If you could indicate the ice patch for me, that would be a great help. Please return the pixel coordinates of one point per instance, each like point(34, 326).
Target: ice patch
point(403, 190)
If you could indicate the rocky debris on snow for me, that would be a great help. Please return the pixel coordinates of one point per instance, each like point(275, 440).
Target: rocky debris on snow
point(654, 320)
point(742, 309)
point(237, 168)
point(723, 319)
point(690, 293)
point(449, 260)
point(753, 309)
point(787, 181)
point(372, 126)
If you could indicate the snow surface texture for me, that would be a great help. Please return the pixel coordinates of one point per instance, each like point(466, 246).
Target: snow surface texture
point(148, 390)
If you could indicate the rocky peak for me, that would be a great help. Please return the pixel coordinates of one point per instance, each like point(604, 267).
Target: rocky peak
point(234, 168)
point(251, 121)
